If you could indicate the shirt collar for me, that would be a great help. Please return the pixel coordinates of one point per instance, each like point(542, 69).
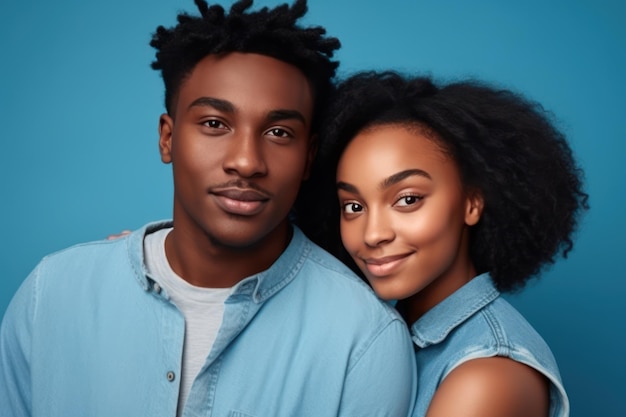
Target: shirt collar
point(260, 286)
point(134, 245)
point(438, 322)
point(266, 283)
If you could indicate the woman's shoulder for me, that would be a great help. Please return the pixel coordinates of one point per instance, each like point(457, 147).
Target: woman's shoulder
point(493, 386)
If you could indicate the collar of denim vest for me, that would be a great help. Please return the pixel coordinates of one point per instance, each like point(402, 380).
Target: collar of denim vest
point(434, 326)
point(259, 287)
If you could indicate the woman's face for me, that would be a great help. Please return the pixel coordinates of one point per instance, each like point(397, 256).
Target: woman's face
point(405, 214)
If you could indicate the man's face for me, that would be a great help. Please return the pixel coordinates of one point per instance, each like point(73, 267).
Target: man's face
point(240, 146)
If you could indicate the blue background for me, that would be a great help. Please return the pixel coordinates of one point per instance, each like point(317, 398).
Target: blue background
point(79, 108)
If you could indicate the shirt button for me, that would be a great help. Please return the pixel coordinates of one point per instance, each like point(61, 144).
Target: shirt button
point(157, 288)
point(171, 376)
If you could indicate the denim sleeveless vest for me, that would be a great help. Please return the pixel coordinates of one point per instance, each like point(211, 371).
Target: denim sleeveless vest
point(475, 322)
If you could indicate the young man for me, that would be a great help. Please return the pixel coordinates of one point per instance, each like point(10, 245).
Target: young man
point(229, 310)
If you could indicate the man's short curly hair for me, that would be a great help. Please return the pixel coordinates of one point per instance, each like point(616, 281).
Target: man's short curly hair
point(270, 32)
point(505, 146)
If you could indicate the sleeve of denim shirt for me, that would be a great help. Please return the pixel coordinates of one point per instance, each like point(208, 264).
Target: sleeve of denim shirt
point(383, 381)
point(15, 343)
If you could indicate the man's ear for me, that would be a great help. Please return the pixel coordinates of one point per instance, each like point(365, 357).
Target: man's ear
point(312, 152)
point(474, 205)
point(166, 127)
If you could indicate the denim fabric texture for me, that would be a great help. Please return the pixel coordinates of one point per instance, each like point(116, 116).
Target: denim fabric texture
point(90, 334)
point(475, 322)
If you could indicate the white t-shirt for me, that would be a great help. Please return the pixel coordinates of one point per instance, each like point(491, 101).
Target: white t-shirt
point(203, 309)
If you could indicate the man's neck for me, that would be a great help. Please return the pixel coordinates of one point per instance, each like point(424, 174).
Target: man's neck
point(203, 263)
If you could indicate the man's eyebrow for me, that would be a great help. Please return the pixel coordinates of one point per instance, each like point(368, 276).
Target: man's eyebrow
point(283, 114)
point(216, 103)
point(399, 176)
point(228, 107)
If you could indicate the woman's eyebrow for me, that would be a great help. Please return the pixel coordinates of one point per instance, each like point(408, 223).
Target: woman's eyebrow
point(387, 182)
point(347, 187)
point(399, 176)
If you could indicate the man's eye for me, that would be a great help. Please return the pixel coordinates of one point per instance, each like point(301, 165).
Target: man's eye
point(352, 208)
point(214, 124)
point(278, 132)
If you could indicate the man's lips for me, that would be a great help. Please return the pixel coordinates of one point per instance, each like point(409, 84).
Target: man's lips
point(240, 201)
point(241, 194)
point(384, 266)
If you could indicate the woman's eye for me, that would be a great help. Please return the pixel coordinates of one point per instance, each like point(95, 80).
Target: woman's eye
point(408, 200)
point(352, 208)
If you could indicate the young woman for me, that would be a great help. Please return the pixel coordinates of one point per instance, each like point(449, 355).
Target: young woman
point(448, 196)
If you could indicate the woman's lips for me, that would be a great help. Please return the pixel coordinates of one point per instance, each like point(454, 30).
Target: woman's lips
point(381, 267)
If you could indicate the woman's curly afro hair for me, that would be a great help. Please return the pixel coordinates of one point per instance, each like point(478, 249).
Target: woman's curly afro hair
point(505, 146)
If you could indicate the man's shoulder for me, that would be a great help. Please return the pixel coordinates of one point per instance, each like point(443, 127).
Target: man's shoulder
point(130, 245)
point(86, 252)
point(324, 260)
point(324, 266)
point(327, 277)
point(96, 268)
point(111, 257)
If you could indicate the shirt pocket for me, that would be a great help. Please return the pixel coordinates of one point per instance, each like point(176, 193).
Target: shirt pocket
point(240, 414)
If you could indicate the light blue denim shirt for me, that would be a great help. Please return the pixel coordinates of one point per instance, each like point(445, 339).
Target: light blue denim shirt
point(90, 334)
point(475, 322)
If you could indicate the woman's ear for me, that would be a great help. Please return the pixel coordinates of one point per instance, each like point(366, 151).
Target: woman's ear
point(474, 205)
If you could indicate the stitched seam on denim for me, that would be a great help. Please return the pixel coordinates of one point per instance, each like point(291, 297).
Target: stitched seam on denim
point(361, 352)
point(143, 282)
point(502, 345)
point(36, 289)
point(268, 292)
point(215, 370)
point(478, 306)
point(486, 352)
